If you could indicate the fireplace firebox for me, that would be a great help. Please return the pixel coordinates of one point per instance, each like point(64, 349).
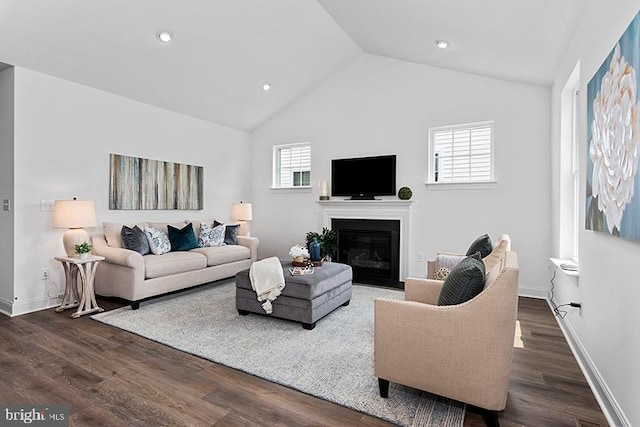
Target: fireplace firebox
point(372, 248)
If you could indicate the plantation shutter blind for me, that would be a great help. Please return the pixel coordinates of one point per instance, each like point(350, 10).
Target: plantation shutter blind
point(292, 160)
point(463, 153)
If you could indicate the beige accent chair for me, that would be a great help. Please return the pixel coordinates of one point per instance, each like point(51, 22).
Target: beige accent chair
point(462, 351)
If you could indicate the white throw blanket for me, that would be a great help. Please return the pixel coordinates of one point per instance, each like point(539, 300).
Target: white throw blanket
point(267, 279)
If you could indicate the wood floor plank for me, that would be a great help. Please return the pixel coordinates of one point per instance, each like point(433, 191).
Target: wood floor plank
point(110, 377)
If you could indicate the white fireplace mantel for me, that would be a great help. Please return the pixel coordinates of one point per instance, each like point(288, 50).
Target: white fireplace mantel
point(392, 209)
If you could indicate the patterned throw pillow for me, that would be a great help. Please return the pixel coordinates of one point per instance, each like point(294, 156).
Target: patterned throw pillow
point(441, 273)
point(158, 241)
point(211, 236)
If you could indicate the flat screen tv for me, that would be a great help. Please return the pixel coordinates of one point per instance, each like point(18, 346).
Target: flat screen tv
point(363, 178)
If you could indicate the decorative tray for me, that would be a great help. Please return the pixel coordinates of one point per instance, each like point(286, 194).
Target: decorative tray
point(306, 263)
point(301, 271)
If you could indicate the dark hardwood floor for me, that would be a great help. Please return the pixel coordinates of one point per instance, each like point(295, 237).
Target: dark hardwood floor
point(109, 377)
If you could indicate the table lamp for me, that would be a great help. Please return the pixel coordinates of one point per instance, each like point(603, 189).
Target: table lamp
point(73, 215)
point(241, 212)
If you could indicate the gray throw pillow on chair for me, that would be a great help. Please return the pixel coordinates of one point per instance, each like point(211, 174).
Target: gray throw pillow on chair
point(464, 282)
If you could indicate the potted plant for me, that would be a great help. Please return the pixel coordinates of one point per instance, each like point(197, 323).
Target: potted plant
point(328, 240)
point(83, 249)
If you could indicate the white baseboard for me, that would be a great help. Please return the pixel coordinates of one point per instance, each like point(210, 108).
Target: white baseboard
point(38, 304)
point(5, 307)
point(533, 292)
point(612, 411)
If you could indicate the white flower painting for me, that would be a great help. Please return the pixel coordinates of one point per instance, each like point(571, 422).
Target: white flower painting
point(614, 141)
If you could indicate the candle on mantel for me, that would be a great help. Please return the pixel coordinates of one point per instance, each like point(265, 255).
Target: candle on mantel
point(324, 190)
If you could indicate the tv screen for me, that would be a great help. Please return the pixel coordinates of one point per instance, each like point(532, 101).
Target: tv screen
point(364, 177)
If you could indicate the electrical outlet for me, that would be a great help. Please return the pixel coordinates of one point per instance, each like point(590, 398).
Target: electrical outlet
point(45, 274)
point(47, 205)
point(420, 257)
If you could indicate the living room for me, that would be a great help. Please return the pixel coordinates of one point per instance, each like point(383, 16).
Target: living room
point(57, 135)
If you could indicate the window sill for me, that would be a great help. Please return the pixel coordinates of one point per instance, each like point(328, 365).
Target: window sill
point(301, 189)
point(561, 265)
point(480, 185)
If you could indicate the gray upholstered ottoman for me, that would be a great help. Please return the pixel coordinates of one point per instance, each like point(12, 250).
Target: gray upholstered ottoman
point(304, 299)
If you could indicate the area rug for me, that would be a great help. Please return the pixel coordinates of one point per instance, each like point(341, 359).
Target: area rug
point(334, 361)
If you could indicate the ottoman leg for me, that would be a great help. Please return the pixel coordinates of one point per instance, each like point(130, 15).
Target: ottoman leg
point(309, 326)
point(346, 303)
point(242, 312)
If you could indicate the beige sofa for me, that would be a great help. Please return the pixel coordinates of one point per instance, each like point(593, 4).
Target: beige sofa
point(458, 351)
point(134, 277)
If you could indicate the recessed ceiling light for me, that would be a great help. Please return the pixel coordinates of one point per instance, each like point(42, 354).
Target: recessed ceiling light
point(266, 86)
point(442, 44)
point(164, 36)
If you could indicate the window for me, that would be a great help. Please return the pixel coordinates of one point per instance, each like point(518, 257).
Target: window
point(461, 153)
point(292, 165)
point(569, 201)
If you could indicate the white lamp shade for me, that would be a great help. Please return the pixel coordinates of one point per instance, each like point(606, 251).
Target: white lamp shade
point(241, 212)
point(74, 214)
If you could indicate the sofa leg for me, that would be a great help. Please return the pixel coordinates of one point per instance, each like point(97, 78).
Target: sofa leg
point(309, 326)
point(243, 312)
point(135, 305)
point(346, 303)
point(384, 387)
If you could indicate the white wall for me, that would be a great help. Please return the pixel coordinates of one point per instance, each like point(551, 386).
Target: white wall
point(381, 106)
point(63, 137)
point(6, 189)
point(605, 332)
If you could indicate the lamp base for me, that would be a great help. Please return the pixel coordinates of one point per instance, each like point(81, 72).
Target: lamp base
point(72, 237)
point(243, 230)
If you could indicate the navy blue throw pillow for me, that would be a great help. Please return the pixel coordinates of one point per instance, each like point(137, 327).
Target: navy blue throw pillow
point(230, 233)
point(465, 281)
point(182, 239)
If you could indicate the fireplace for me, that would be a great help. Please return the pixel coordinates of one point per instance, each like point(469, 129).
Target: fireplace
point(371, 247)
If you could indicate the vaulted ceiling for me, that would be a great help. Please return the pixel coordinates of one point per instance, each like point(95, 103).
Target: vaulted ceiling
point(224, 51)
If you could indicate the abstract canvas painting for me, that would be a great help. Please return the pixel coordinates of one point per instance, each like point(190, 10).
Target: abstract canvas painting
point(138, 183)
point(613, 136)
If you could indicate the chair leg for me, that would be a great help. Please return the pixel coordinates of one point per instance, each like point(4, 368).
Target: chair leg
point(491, 418)
point(384, 387)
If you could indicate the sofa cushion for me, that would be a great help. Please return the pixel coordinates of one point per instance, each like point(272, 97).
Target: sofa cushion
point(482, 244)
point(182, 239)
point(465, 281)
point(211, 236)
point(224, 254)
point(173, 263)
point(135, 239)
point(158, 241)
point(162, 226)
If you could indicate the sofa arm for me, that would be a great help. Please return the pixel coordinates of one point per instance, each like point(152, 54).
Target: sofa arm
point(252, 243)
point(422, 290)
point(119, 256)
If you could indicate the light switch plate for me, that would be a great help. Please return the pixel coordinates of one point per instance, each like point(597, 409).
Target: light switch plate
point(6, 204)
